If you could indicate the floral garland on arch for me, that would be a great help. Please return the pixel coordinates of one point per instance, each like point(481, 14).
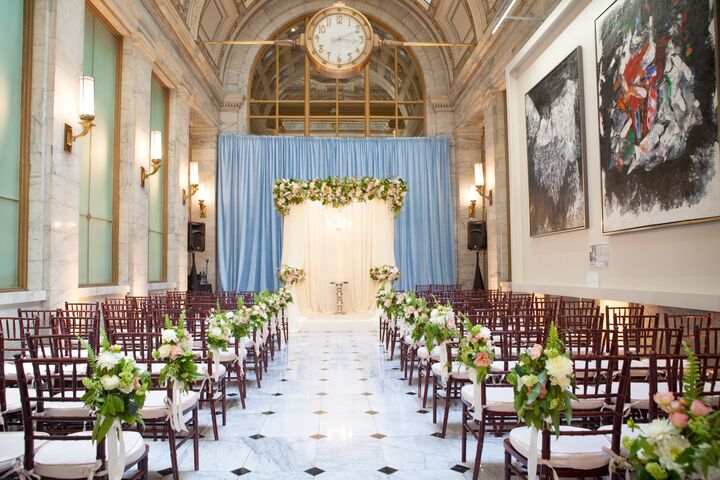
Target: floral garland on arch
point(339, 192)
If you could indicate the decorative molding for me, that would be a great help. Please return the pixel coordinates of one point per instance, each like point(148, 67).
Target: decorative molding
point(144, 45)
point(234, 101)
point(441, 104)
point(202, 131)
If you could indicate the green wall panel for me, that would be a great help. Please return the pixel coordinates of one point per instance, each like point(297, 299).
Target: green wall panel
point(100, 251)
point(97, 156)
point(155, 252)
point(83, 278)
point(8, 244)
point(156, 190)
point(11, 63)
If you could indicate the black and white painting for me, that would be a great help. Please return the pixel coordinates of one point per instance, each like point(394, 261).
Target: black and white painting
point(556, 150)
point(657, 97)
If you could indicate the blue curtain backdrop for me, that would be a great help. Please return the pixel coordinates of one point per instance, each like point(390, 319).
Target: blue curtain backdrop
point(249, 229)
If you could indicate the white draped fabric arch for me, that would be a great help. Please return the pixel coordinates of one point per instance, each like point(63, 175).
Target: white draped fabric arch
point(335, 245)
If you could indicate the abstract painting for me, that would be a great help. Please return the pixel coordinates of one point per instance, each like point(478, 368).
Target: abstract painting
point(556, 150)
point(657, 99)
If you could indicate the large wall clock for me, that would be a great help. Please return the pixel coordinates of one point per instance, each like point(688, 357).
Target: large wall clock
point(339, 41)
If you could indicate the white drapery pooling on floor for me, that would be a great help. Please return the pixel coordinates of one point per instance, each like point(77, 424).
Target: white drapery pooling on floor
point(338, 244)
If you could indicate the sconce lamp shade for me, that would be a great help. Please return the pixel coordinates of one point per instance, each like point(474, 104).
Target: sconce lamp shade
point(156, 147)
point(87, 97)
point(471, 194)
point(194, 175)
point(479, 175)
point(202, 193)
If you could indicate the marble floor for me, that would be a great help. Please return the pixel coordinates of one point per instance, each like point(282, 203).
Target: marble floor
point(332, 406)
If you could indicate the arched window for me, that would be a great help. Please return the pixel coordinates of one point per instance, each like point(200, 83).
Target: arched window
point(289, 97)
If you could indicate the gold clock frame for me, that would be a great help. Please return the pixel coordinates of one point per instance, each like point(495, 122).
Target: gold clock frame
point(328, 68)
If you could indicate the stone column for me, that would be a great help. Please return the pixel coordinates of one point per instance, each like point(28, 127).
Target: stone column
point(468, 149)
point(62, 172)
point(177, 171)
point(134, 152)
point(496, 178)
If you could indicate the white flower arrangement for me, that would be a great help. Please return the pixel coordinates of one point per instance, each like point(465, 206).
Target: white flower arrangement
point(385, 273)
point(218, 331)
point(291, 275)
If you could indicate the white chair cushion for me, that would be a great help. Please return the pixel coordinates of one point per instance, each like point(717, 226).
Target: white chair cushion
point(424, 354)
point(580, 452)
point(226, 357)
point(75, 459)
point(499, 365)
point(589, 403)
point(12, 446)
point(11, 372)
point(640, 393)
point(221, 370)
point(499, 399)
point(458, 371)
point(408, 340)
point(12, 399)
point(79, 369)
point(66, 409)
point(155, 403)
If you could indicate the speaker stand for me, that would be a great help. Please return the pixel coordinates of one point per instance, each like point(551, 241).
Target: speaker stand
point(193, 280)
point(478, 283)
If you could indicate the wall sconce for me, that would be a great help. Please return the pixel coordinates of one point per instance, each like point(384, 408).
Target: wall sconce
point(156, 150)
point(480, 184)
point(472, 200)
point(86, 109)
point(194, 182)
point(202, 196)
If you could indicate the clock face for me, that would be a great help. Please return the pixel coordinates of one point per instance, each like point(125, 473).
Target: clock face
point(339, 41)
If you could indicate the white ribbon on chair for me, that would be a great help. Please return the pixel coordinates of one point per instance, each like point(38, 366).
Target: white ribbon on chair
point(532, 454)
point(477, 395)
point(18, 468)
point(216, 364)
point(175, 410)
point(242, 353)
point(444, 360)
point(115, 448)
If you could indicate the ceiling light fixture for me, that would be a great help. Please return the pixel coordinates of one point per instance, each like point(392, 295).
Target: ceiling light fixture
point(506, 16)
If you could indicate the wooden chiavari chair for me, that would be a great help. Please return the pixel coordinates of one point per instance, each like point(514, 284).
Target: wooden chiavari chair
point(43, 316)
point(576, 322)
point(688, 323)
point(578, 451)
point(57, 403)
point(448, 379)
point(15, 331)
point(81, 323)
point(154, 413)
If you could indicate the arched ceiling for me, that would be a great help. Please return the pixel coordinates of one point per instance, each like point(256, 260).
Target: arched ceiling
point(457, 21)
